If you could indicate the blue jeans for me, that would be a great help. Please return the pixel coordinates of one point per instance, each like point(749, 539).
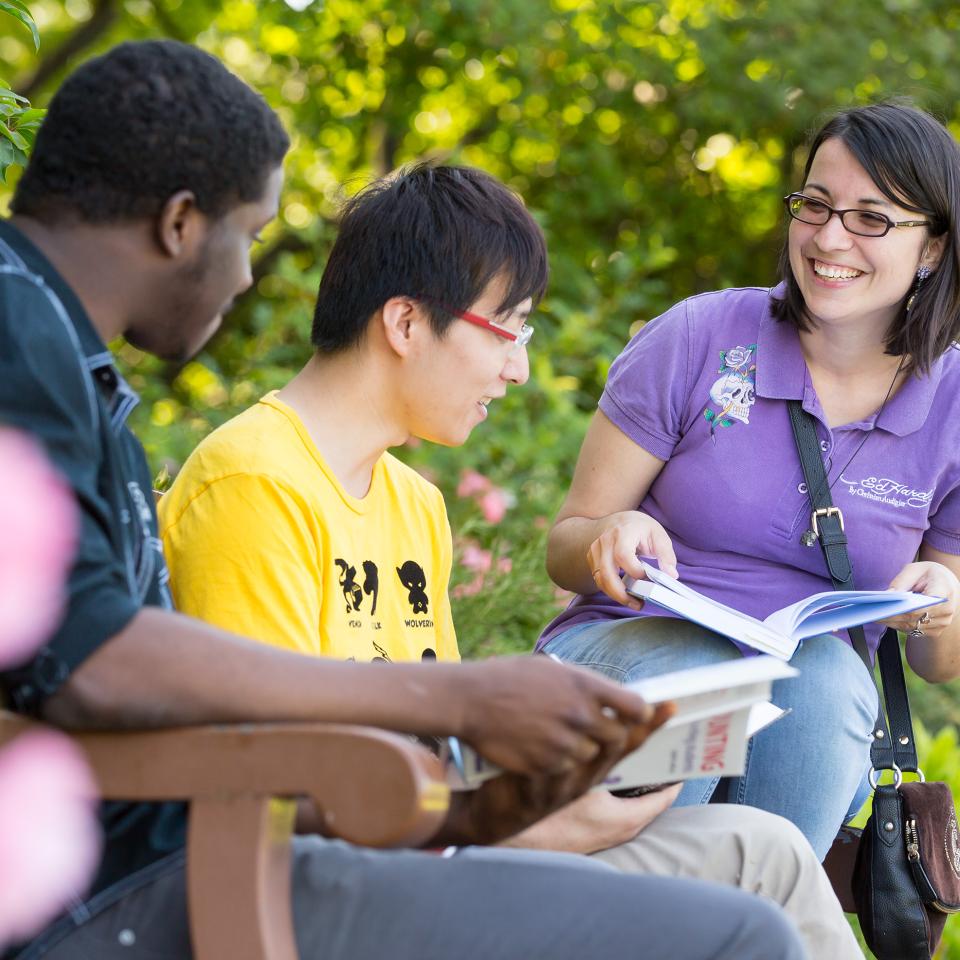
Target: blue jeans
point(809, 766)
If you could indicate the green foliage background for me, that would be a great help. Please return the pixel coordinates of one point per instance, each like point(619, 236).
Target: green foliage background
point(652, 140)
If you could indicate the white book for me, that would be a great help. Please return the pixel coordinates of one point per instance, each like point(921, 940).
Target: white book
point(780, 633)
point(718, 708)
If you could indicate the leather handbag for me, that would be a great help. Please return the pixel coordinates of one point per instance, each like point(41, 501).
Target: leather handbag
point(905, 864)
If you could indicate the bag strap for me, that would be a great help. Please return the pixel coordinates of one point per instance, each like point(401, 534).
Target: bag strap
point(826, 526)
point(902, 740)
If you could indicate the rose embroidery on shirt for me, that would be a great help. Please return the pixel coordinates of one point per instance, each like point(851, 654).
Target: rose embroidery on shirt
point(734, 391)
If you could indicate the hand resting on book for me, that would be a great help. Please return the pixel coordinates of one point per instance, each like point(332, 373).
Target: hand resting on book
point(935, 580)
point(597, 821)
point(934, 653)
point(508, 803)
point(629, 536)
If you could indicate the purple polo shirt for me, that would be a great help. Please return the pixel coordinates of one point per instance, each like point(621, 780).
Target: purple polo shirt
point(703, 387)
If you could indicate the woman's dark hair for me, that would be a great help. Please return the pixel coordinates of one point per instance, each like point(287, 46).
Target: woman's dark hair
point(438, 233)
point(129, 129)
point(915, 163)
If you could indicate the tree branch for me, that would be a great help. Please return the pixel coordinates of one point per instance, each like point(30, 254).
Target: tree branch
point(168, 24)
point(104, 13)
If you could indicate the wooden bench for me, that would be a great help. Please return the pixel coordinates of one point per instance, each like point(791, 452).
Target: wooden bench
point(241, 781)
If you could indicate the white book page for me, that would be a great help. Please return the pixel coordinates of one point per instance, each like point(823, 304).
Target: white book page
point(762, 715)
point(713, 677)
point(677, 586)
point(716, 617)
point(667, 591)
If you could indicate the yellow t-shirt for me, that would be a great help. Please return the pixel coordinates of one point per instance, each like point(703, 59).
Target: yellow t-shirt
point(262, 539)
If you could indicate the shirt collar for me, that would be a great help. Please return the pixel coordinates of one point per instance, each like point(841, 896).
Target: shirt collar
point(782, 374)
point(909, 410)
point(121, 398)
point(781, 369)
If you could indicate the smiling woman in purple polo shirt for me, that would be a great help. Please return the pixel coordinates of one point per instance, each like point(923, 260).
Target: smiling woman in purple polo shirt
point(691, 458)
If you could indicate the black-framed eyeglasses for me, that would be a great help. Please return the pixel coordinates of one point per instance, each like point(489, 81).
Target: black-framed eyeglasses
point(864, 223)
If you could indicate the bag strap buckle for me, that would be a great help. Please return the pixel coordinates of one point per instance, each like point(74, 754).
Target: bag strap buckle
point(822, 512)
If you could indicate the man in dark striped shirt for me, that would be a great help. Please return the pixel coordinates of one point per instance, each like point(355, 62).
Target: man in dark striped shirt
point(153, 172)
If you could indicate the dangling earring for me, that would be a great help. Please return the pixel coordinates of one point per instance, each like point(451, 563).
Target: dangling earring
point(923, 271)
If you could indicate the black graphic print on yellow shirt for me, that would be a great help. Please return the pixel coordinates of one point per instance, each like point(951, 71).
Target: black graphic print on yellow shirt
point(414, 579)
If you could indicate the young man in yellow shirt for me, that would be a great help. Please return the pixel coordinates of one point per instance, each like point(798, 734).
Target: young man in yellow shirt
point(293, 523)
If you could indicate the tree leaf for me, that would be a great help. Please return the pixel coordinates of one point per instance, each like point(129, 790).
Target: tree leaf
point(18, 11)
point(7, 157)
point(17, 139)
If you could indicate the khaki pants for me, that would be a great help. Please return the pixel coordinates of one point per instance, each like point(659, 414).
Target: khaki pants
point(750, 849)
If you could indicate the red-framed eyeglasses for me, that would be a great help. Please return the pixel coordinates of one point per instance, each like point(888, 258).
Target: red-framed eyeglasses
point(519, 338)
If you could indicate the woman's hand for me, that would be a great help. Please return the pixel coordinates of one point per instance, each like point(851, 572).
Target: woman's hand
point(935, 580)
point(630, 534)
point(934, 653)
point(612, 478)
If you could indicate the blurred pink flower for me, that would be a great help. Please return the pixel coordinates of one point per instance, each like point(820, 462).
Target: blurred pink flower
point(472, 483)
point(476, 558)
point(470, 589)
point(494, 504)
point(49, 841)
point(39, 527)
point(505, 565)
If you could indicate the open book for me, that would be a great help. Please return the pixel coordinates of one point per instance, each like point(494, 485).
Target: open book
point(718, 708)
point(780, 633)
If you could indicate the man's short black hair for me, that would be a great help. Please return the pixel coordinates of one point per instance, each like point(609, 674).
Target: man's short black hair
point(129, 129)
point(438, 233)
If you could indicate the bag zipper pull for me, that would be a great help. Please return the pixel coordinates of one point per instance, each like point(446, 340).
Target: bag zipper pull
point(913, 845)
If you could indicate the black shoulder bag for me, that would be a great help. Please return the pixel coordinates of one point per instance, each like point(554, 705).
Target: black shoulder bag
point(906, 872)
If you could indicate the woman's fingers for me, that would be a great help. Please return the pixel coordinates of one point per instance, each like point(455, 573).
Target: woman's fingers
point(605, 568)
point(934, 580)
point(618, 550)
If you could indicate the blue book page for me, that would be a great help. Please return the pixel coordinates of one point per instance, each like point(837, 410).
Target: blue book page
point(782, 630)
point(839, 609)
